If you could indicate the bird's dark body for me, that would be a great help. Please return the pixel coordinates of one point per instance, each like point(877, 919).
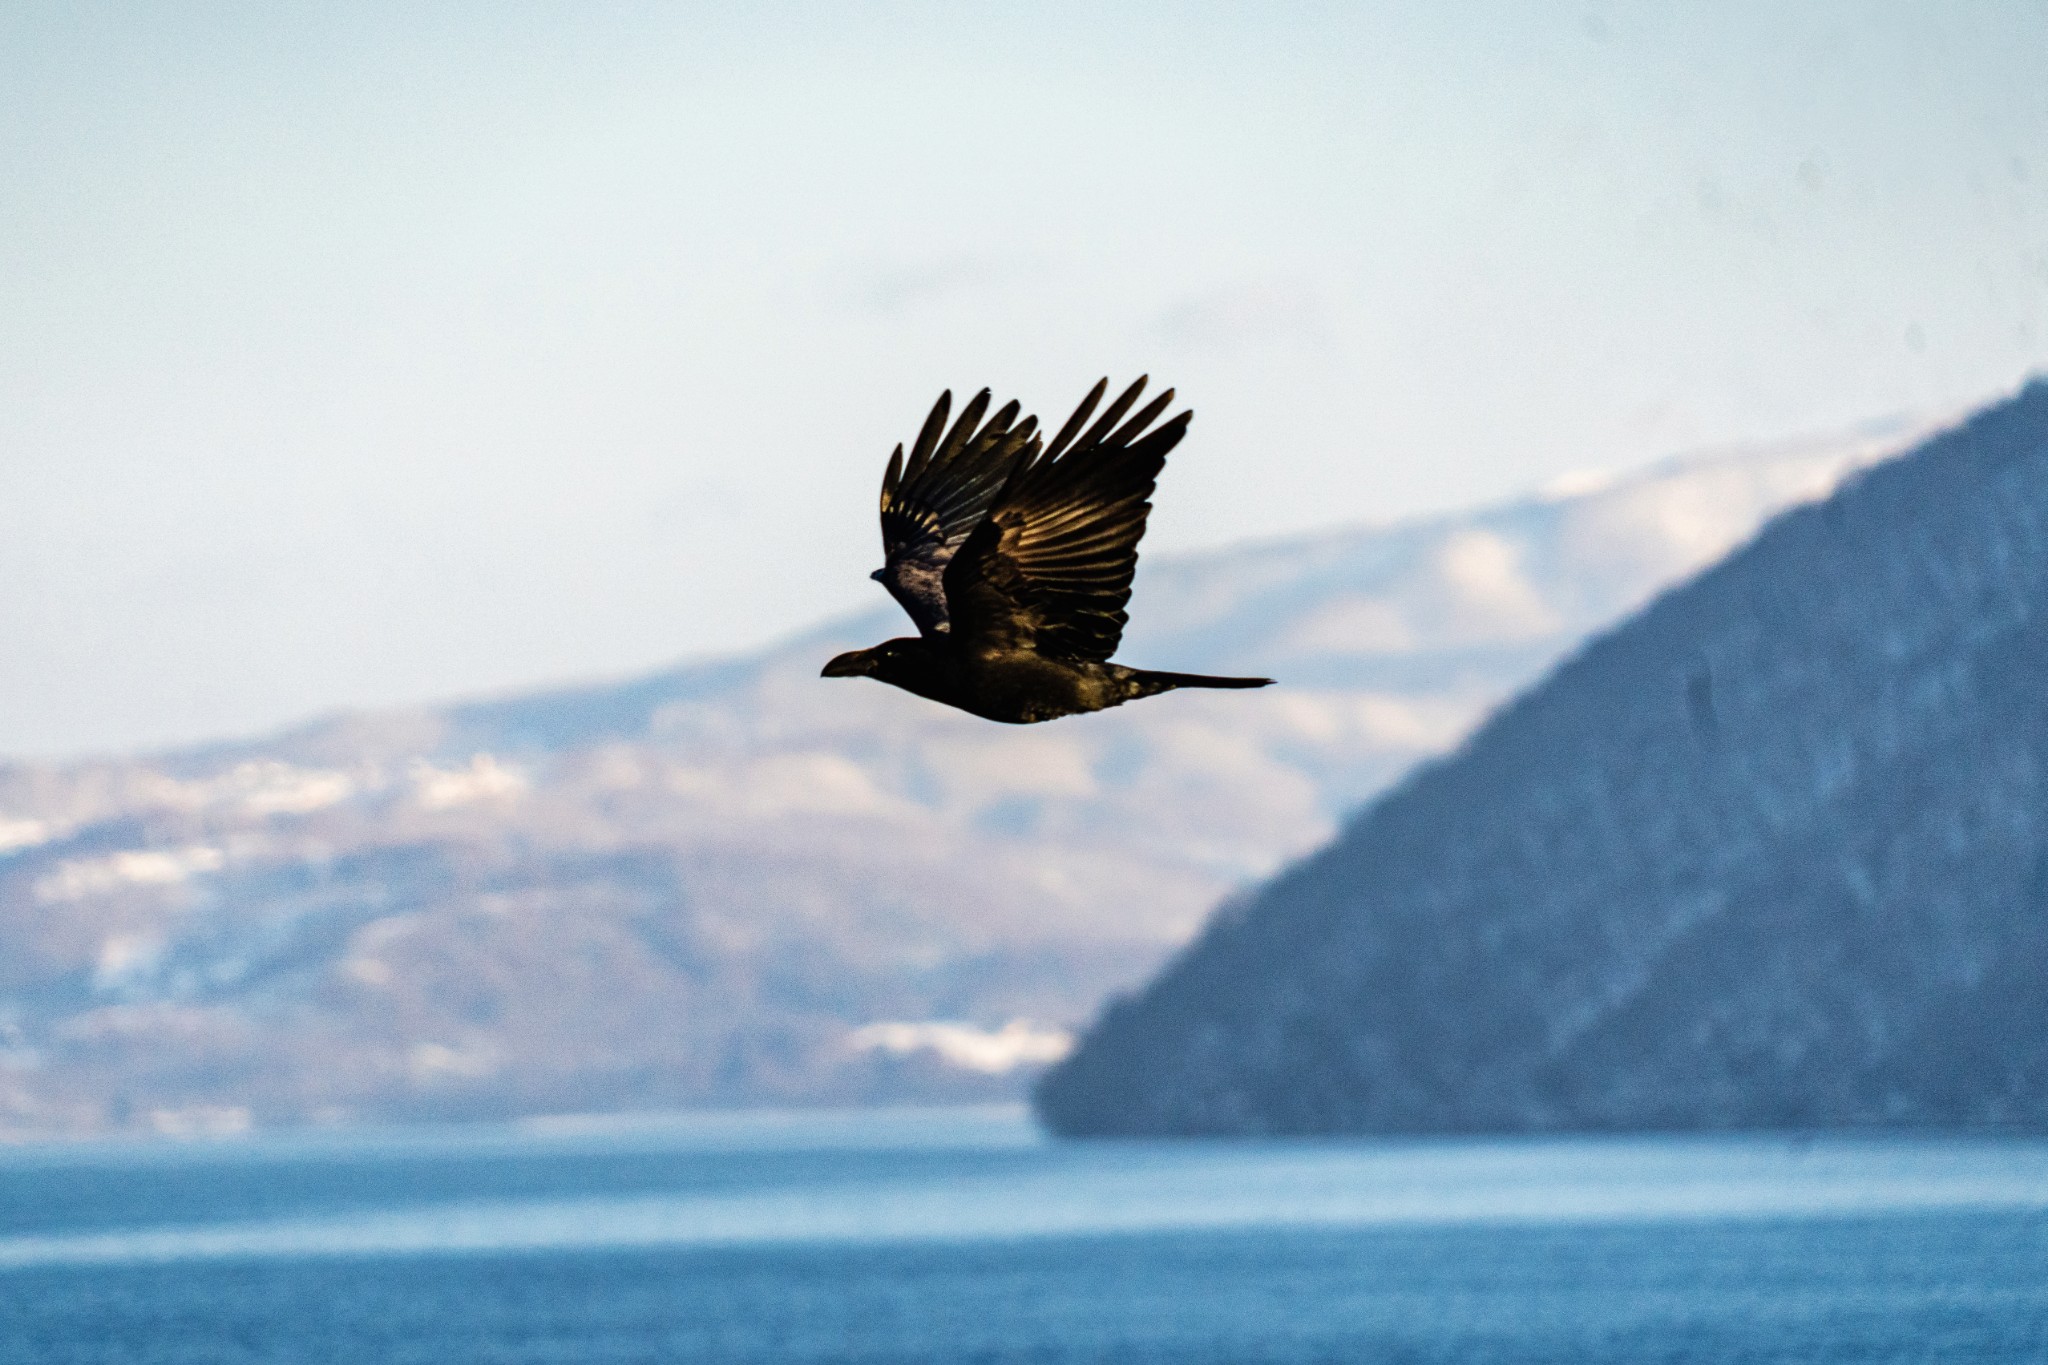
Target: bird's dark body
point(1016, 563)
point(1019, 687)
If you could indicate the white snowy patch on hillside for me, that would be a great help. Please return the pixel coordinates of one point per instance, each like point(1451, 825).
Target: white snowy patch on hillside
point(485, 779)
point(1017, 1043)
point(76, 880)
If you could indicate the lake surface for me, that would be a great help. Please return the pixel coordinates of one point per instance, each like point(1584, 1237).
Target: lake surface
point(961, 1236)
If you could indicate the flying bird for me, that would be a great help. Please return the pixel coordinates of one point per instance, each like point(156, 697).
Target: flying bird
point(1015, 559)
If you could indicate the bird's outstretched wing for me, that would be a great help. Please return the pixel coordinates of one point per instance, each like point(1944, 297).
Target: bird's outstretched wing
point(1049, 568)
point(931, 504)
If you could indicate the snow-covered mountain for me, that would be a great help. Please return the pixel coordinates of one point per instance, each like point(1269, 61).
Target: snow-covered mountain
point(1773, 853)
point(740, 883)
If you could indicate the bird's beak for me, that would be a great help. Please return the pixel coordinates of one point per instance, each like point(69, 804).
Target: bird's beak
point(847, 665)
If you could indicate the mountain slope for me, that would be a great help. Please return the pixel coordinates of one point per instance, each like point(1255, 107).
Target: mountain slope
point(1773, 853)
point(738, 883)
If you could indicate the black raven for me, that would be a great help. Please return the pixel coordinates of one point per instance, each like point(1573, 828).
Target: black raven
point(1015, 560)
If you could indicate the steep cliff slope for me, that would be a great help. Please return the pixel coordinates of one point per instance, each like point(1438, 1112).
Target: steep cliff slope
point(1772, 853)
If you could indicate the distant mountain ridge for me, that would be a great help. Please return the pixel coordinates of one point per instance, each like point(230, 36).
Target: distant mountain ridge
point(736, 883)
point(1772, 853)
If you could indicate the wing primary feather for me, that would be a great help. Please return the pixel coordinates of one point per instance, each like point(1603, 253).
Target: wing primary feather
point(893, 476)
point(927, 439)
point(1129, 430)
point(1073, 426)
point(1115, 414)
point(963, 427)
point(1169, 435)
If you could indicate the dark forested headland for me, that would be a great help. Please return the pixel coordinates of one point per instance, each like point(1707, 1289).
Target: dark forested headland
point(1773, 853)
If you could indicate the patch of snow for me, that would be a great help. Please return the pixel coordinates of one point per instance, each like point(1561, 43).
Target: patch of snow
point(485, 779)
point(776, 785)
point(1017, 1043)
point(17, 834)
point(1483, 572)
point(78, 879)
point(258, 787)
point(123, 957)
point(470, 1061)
point(1578, 483)
point(279, 789)
point(369, 971)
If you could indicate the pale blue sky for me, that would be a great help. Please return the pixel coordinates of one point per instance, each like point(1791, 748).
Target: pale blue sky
point(381, 353)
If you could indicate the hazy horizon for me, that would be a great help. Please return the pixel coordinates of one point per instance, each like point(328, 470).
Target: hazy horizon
point(1906, 427)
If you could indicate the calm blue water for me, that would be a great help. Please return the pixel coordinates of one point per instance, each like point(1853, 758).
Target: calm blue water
point(961, 1237)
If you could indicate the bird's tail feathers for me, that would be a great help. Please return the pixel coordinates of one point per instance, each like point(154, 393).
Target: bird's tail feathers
point(1152, 683)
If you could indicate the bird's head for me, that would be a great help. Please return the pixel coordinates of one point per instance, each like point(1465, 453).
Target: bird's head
point(882, 661)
